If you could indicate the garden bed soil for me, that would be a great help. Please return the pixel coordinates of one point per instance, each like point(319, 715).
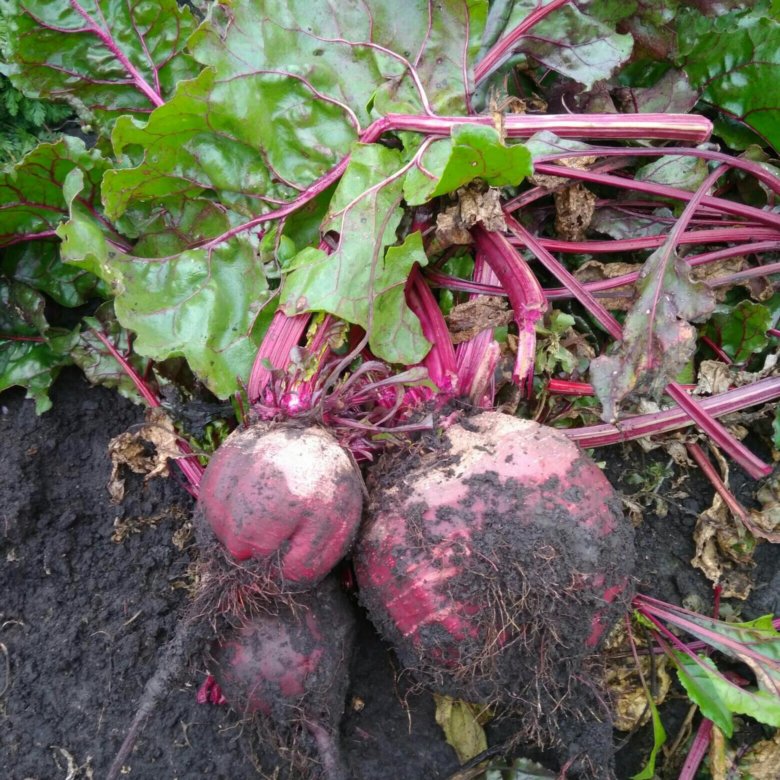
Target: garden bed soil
point(90, 592)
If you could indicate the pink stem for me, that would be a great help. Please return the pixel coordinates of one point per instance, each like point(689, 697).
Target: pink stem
point(706, 236)
point(772, 181)
point(440, 360)
point(189, 465)
point(752, 464)
point(596, 309)
point(669, 127)
point(709, 471)
point(282, 335)
point(525, 295)
point(662, 190)
point(477, 358)
point(722, 356)
point(672, 419)
point(568, 387)
point(154, 98)
point(502, 50)
point(698, 750)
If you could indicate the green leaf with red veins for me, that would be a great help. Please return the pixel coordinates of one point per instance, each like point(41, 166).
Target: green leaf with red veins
point(571, 42)
point(671, 94)
point(203, 305)
point(31, 353)
point(31, 198)
point(106, 57)
point(685, 173)
point(251, 141)
point(734, 59)
point(473, 152)
point(658, 339)
point(261, 125)
point(93, 357)
point(741, 330)
point(38, 265)
point(171, 225)
point(362, 281)
point(620, 224)
point(345, 52)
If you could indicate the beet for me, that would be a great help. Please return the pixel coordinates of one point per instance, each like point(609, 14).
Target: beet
point(290, 666)
point(289, 496)
point(495, 563)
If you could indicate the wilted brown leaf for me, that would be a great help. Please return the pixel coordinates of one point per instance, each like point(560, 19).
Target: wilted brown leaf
point(145, 450)
point(595, 271)
point(462, 725)
point(474, 204)
point(714, 377)
point(468, 319)
point(762, 760)
point(723, 550)
point(624, 682)
point(574, 207)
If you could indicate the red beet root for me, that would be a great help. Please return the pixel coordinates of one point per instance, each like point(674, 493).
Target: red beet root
point(289, 496)
point(495, 564)
point(291, 666)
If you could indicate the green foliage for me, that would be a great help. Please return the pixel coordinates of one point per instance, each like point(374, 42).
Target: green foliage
point(733, 58)
point(362, 280)
point(741, 330)
point(473, 152)
point(24, 122)
point(106, 57)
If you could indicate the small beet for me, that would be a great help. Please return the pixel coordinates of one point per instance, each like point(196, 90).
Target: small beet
point(495, 564)
point(291, 666)
point(289, 496)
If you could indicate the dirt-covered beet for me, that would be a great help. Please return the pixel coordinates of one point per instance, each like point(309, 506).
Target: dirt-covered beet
point(291, 667)
point(289, 496)
point(494, 565)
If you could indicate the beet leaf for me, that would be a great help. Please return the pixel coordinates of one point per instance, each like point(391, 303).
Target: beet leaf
point(361, 280)
point(106, 57)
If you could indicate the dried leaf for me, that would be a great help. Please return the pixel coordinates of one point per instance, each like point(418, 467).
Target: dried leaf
point(718, 755)
point(574, 207)
point(485, 207)
point(595, 271)
point(461, 724)
point(765, 522)
point(131, 449)
point(474, 204)
point(483, 312)
point(629, 703)
point(762, 760)
point(627, 694)
point(714, 378)
point(724, 548)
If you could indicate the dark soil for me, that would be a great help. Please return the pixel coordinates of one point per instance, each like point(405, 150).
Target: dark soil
point(84, 618)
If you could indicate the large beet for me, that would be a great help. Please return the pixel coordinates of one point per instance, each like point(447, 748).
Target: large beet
point(495, 564)
point(289, 496)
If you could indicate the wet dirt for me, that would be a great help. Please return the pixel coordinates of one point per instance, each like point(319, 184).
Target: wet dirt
point(84, 618)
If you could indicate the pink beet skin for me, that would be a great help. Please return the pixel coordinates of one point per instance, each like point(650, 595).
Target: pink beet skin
point(288, 495)
point(509, 508)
